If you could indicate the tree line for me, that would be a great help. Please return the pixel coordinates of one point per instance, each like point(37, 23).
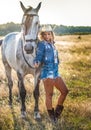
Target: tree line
point(58, 29)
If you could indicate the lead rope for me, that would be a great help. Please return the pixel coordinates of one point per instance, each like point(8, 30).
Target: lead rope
point(24, 57)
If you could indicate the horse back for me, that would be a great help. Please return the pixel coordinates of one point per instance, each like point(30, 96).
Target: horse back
point(9, 47)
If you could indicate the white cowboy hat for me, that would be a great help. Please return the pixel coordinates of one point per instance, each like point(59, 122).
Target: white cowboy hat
point(46, 28)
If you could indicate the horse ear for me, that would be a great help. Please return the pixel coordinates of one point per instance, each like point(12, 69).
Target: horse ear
point(38, 7)
point(22, 6)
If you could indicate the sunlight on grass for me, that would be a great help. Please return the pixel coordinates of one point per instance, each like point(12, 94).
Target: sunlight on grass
point(75, 68)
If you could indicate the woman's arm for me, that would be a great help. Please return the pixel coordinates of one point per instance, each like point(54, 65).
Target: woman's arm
point(39, 54)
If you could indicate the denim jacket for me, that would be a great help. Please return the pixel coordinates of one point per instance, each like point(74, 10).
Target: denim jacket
point(48, 56)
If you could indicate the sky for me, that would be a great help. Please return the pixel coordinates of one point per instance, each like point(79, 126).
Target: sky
point(59, 12)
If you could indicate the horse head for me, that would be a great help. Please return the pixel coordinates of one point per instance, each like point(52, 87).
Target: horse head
point(30, 27)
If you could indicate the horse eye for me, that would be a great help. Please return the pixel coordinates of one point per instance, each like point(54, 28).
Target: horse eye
point(36, 23)
point(39, 27)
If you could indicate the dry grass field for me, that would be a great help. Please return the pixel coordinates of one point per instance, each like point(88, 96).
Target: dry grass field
point(75, 68)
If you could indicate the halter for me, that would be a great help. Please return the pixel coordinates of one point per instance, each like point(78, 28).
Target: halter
point(25, 57)
point(28, 40)
point(32, 40)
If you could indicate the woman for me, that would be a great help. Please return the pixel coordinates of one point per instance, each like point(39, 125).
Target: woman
point(47, 55)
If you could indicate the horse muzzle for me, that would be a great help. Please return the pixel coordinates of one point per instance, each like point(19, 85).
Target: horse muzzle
point(29, 49)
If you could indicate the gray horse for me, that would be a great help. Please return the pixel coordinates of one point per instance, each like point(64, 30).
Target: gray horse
point(18, 51)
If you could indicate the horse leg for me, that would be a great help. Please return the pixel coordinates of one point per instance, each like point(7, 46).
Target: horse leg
point(10, 82)
point(18, 95)
point(22, 92)
point(37, 115)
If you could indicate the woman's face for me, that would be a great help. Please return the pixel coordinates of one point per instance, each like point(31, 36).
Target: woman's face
point(47, 36)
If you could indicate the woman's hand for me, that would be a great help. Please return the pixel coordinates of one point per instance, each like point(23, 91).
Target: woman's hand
point(36, 64)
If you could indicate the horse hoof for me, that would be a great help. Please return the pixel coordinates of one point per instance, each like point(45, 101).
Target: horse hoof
point(23, 114)
point(37, 116)
point(18, 100)
point(10, 105)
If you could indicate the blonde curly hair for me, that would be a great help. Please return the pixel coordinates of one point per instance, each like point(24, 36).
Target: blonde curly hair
point(46, 28)
point(42, 34)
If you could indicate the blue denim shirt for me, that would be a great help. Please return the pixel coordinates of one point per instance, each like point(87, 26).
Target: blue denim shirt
point(48, 56)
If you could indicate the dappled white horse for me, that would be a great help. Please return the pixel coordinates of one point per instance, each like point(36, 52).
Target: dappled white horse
point(18, 51)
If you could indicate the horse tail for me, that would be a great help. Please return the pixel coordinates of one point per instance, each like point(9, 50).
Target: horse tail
point(1, 40)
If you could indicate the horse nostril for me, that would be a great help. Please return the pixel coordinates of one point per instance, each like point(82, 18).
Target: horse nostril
point(29, 49)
